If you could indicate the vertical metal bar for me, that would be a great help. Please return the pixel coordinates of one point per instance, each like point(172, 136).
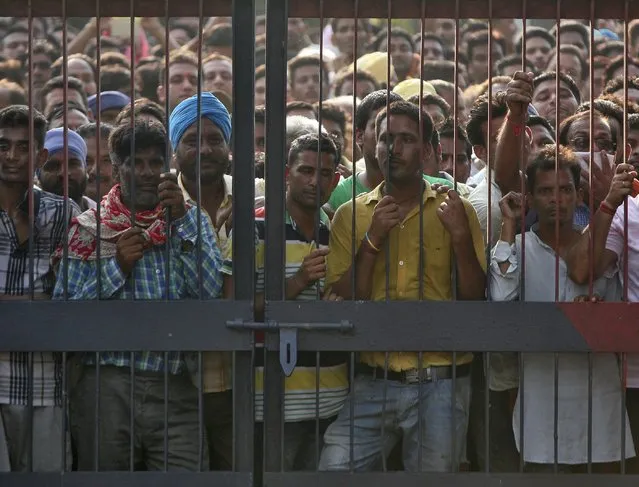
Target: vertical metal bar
point(384, 398)
point(557, 122)
point(590, 365)
point(200, 415)
point(96, 431)
point(317, 408)
point(132, 412)
point(523, 163)
point(354, 243)
point(276, 48)
point(351, 404)
point(390, 144)
point(624, 362)
point(30, 428)
point(65, 103)
point(522, 457)
point(556, 416)
point(98, 105)
point(31, 160)
point(487, 411)
point(453, 416)
point(166, 407)
point(65, 425)
point(243, 224)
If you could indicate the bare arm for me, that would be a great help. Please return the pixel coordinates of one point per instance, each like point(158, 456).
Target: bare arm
point(365, 266)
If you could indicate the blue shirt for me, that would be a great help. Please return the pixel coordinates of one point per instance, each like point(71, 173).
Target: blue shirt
point(148, 282)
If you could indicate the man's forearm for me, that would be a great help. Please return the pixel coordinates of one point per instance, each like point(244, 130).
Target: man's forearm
point(578, 258)
point(509, 152)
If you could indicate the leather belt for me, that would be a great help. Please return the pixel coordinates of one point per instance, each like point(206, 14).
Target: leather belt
point(412, 376)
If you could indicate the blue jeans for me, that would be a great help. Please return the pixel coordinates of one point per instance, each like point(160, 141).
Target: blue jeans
point(401, 420)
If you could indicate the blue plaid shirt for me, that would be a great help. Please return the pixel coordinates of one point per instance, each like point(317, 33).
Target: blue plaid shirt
point(150, 283)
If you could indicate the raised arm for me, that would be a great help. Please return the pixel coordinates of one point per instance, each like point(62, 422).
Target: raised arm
point(513, 133)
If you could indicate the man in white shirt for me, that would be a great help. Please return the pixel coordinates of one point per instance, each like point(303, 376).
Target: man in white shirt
point(553, 191)
point(609, 240)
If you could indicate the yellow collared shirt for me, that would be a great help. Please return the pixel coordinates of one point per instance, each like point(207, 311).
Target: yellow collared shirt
point(403, 243)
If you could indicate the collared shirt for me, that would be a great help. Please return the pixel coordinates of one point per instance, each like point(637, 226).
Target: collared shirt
point(148, 281)
point(217, 366)
point(404, 251)
point(573, 368)
point(48, 234)
point(301, 387)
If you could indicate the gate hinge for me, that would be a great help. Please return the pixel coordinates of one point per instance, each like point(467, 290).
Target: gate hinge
point(288, 336)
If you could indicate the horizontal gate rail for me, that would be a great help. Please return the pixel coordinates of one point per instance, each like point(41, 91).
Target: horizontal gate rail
point(464, 326)
point(124, 325)
point(538, 9)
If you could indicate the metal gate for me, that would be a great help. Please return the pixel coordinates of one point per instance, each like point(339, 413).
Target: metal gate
point(292, 327)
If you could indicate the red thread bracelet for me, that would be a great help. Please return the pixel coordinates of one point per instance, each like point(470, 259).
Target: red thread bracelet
point(518, 128)
point(607, 209)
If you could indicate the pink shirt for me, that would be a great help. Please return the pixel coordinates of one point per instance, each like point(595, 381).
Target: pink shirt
point(616, 241)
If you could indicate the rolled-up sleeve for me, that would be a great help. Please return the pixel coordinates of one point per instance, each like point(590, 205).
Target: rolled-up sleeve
point(504, 286)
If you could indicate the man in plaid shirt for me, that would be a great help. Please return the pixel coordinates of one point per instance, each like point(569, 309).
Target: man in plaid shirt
point(17, 258)
point(132, 266)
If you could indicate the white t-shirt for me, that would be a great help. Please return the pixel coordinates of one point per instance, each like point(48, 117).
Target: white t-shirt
point(616, 242)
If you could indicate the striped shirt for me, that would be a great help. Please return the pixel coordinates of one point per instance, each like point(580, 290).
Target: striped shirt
point(48, 234)
point(150, 283)
point(301, 402)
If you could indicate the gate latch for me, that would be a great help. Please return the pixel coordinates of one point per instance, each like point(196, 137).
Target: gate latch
point(288, 336)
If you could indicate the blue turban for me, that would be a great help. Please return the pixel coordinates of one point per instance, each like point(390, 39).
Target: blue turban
point(54, 143)
point(608, 34)
point(185, 114)
point(108, 100)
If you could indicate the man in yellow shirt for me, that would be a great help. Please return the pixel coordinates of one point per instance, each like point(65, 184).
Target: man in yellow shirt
point(387, 220)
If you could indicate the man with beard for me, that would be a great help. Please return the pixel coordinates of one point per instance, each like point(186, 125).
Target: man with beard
point(51, 176)
point(216, 201)
point(16, 259)
point(129, 268)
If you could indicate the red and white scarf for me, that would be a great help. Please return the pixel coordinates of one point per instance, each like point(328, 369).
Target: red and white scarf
point(115, 219)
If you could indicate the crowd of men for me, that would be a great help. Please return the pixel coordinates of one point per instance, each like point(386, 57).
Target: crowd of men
point(389, 135)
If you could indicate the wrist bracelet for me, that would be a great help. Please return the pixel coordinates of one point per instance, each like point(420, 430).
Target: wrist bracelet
point(517, 127)
point(607, 209)
point(370, 243)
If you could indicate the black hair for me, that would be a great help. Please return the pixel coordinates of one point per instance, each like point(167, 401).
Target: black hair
point(537, 120)
point(395, 32)
point(15, 29)
point(88, 130)
point(148, 75)
point(105, 43)
point(141, 106)
point(532, 32)
point(430, 99)
point(260, 72)
point(45, 47)
point(221, 35)
point(57, 82)
point(56, 67)
point(17, 116)
point(479, 115)
point(512, 60)
point(12, 70)
point(479, 39)
point(17, 94)
point(148, 134)
point(114, 78)
point(544, 161)
point(300, 105)
point(115, 59)
point(610, 49)
point(334, 114)
point(411, 111)
point(428, 36)
point(567, 124)
point(616, 84)
point(551, 75)
point(441, 69)
point(617, 63)
point(185, 27)
point(633, 121)
point(372, 103)
point(346, 74)
point(301, 61)
point(313, 142)
point(448, 129)
point(58, 110)
point(573, 51)
point(577, 27)
point(608, 109)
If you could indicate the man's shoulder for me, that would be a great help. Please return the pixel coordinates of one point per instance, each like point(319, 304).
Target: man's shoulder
point(50, 204)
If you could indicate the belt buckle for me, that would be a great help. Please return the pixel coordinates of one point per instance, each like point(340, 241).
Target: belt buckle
point(412, 376)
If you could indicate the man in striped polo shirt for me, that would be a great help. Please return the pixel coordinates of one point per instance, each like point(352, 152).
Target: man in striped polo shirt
point(307, 174)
